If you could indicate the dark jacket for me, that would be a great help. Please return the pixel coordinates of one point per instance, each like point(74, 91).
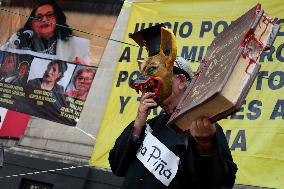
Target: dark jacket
point(194, 172)
point(51, 109)
point(36, 84)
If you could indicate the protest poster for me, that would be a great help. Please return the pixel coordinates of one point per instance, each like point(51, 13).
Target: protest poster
point(47, 88)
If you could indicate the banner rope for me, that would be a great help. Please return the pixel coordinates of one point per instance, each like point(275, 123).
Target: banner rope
point(86, 133)
point(44, 171)
point(75, 29)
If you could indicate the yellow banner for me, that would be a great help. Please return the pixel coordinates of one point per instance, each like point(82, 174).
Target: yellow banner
point(256, 133)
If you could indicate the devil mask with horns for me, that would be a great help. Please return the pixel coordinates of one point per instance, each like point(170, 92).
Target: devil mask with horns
point(156, 69)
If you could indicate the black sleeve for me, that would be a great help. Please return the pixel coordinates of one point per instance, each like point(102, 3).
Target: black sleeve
point(216, 170)
point(124, 151)
point(125, 148)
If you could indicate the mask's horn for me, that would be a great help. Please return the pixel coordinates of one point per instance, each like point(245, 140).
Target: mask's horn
point(157, 40)
point(168, 47)
point(139, 63)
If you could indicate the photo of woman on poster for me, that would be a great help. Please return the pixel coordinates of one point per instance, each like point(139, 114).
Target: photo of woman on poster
point(44, 93)
point(82, 81)
point(46, 31)
point(53, 73)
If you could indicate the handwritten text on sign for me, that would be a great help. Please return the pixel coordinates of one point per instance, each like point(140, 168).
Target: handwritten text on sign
point(158, 159)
